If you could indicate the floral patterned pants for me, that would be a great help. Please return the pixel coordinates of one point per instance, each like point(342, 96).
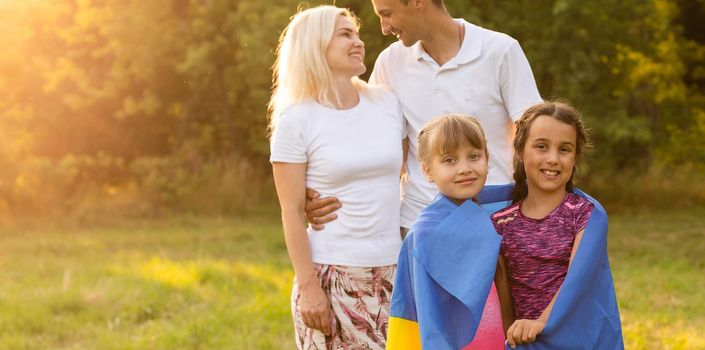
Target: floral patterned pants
point(359, 297)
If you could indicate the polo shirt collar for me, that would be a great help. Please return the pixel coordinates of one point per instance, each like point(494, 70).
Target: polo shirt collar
point(469, 50)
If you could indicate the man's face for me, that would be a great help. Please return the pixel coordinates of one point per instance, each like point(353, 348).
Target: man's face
point(398, 19)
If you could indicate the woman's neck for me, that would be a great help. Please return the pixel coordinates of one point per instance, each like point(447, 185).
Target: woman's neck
point(538, 204)
point(347, 96)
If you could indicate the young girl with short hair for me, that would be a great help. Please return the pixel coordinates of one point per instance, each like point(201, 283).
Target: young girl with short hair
point(448, 260)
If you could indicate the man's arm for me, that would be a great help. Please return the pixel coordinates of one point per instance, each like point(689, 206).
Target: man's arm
point(320, 211)
point(405, 155)
point(517, 83)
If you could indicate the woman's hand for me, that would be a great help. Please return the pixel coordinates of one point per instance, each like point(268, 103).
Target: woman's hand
point(524, 331)
point(290, 180)
point(315, 307)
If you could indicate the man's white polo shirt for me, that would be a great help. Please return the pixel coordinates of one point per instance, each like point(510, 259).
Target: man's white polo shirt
point(490, 79)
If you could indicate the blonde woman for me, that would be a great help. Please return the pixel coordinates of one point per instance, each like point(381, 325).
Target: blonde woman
point(333, 133)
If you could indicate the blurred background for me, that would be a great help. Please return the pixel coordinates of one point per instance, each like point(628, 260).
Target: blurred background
point(137, 208)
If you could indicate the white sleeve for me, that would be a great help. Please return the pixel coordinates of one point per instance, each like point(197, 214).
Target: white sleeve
point(380, 76)
point(402, 119)
point(380, 72)
point(287, 144)
point(517, 83)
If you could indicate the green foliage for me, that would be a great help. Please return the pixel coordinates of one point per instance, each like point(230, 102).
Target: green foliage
point(623, 64)
point(82, 188)
point(154, 99)
point(658, 187)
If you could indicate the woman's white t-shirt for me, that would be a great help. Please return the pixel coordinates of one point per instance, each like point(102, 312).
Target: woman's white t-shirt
point(355, 155)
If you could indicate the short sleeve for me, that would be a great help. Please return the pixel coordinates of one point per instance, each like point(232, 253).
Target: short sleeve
point(495, 222)
point(288, 140)
point(583, 215)
point(517, 83)
point(401, 118)
point(380, 72)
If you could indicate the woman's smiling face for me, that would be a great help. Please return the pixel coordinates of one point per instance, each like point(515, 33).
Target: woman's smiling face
point(346, 52)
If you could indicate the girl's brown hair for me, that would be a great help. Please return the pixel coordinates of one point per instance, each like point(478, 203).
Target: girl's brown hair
point(561, 112)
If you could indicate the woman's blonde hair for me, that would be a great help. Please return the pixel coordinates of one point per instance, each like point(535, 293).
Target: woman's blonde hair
point(447, 133)
point(301, 71)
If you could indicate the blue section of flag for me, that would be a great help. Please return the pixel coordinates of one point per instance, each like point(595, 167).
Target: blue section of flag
point(585, 314)
point(447, 265)
point(445, 271)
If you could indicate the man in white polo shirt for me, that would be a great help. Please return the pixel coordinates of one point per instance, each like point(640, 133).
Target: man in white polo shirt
point(443, 65)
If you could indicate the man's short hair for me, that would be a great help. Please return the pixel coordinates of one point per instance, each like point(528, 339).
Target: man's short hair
point(438, 3)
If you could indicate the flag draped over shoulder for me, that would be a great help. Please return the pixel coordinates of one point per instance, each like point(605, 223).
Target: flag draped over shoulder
point(585, 314)
point(444, 274)
point(447, 265)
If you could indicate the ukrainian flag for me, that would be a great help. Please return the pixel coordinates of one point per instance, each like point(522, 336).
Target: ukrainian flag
point(585, 314)
point(444, 274)
point(446, 268)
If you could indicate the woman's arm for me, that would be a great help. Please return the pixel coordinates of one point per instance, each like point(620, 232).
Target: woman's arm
point(290, 181)
point(501, 282)
point(525, 331)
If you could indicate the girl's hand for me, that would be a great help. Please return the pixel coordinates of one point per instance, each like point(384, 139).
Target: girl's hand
point(524, 331)
point(315, 307)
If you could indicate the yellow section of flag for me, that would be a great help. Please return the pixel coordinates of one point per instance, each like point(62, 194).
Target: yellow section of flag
point(403, 335)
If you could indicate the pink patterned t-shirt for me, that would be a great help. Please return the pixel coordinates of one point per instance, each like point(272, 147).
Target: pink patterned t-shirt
point(537, 251)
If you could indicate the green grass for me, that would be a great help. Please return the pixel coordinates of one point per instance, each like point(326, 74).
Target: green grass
point(210, 283)
point(658, 263)
point(193, 284)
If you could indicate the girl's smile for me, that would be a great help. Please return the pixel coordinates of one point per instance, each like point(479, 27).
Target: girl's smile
point(549, 155)
point(459, 175)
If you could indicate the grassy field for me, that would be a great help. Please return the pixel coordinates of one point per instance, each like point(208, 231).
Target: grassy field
point(210, 283)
